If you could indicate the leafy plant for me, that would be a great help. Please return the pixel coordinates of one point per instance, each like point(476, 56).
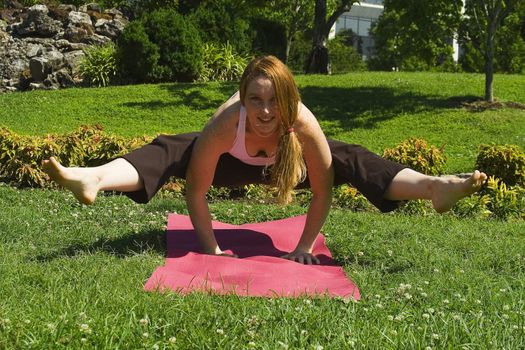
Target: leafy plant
point(221, 63)
point(99, 65)
point(506, 162)
point(505, 201)
point(350, 198)
point(179, 45)
point(473, 206)
point(343, 57)
point(418, 155)
point(22, 156)
point(137, 56)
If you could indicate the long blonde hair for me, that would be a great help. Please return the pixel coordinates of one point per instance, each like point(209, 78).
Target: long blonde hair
point(289, 168)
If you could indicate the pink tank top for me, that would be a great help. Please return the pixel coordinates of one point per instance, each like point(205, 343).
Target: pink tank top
point(238, 149)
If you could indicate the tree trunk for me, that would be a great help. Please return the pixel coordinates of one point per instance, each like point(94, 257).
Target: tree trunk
point(489, 68)
point(287, 50)
point(318, 61)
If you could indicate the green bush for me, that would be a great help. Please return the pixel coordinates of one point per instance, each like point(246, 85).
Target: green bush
point(221, 63)
point(99, 65)
point(418, 155)
point(179, 44)
point(162, 46)
point(21, 156)
point(506, 163)
point(299, 52)
point(137, 56)
point(269, 37)
point(135, 9)
point(349, 198)
point(343, 57)
point(222, 22)
point(474, 206)
point(504, 201)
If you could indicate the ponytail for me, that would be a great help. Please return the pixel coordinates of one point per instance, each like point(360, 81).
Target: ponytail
point(289, 168)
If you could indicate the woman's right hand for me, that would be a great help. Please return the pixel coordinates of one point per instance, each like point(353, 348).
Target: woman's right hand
point(302, 257)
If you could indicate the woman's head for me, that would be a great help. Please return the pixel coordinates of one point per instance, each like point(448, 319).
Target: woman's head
point(270, 95)
point(286, 93)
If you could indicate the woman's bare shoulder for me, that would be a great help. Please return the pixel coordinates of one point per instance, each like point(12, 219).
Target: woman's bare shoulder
point(307, 124)
point(221, 129)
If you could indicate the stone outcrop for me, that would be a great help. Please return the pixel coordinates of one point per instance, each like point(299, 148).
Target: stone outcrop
point(41, 47)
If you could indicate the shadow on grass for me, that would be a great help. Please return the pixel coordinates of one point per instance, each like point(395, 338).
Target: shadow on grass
point(364, 107)
point(350, 108)
point(191, 95)
point(121, 247)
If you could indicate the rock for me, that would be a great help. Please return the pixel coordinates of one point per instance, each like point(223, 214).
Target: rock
point(34, 50)
point(55, 59)
point(90, 7)
point(67, 8)
point(114, 13)
point(41, 47)
point(79, 18)
point(36, 86)
point(72, 59)
point(39, 68)
point(38, 23)
point(64, 79)
point(79, 34)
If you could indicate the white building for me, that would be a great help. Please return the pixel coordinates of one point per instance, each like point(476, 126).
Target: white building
point(360, 19)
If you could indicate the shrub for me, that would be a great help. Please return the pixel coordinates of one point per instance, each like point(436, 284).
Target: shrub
point(222, 22)
point(349, 198)
point(137, 56)
point(21, 156)
point(343, 57)
point(135, 9)
point(505, 162)
point(299, 52)
point(418, 155)
point(474, 206)
point(505, 201)
point(99, 65)
point(269, 37)
point(221, 63)
point(179, 45)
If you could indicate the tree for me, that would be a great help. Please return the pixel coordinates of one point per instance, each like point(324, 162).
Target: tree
point(416, 34)
point(293, 15)
point(318, 60)
point(486, 18)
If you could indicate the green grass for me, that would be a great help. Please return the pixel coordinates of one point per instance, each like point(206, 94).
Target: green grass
point(376, 110)
point(72, 276)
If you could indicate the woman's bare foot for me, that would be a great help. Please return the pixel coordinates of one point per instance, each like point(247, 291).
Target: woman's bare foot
point(83, 186)
point(447, 190)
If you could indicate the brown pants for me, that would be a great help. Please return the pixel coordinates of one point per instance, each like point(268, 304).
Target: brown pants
point(169, 155)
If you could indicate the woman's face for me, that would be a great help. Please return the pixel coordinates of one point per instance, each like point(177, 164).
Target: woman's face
point(262, 110)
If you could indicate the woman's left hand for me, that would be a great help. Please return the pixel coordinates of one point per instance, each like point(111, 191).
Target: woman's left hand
point(302, 257)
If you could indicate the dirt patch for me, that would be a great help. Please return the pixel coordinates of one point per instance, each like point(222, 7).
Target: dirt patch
point(480, 105)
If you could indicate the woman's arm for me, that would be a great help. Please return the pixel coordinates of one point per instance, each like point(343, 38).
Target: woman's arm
point(216, 139)
point(320, 173)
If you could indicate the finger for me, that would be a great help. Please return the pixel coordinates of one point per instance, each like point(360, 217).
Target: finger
point(316, 260)
point(308, 259)
point(300, 259)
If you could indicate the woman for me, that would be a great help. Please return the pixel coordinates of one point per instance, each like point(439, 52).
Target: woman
point(262, 134)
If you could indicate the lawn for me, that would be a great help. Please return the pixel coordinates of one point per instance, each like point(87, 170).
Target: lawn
point(71, 276)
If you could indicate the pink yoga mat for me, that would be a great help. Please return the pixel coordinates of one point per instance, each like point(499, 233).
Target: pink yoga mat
point(259, 270)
